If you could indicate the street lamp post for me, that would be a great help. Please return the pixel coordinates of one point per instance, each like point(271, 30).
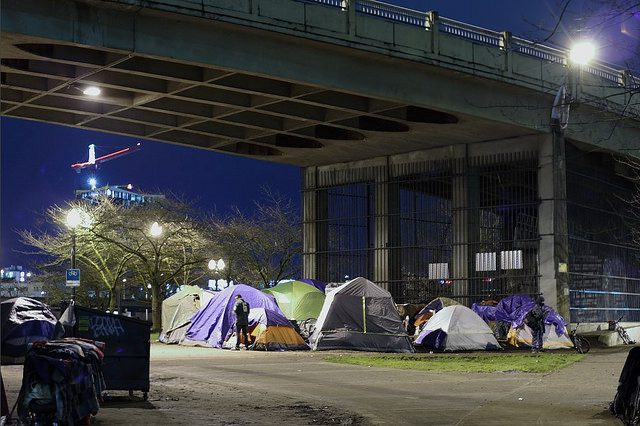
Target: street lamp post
point(216, 267)
point(579, 56)
point(76, 217)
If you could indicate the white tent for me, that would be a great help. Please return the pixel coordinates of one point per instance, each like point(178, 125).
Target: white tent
point(457, 328)
point(359, 315)
point(550, 339)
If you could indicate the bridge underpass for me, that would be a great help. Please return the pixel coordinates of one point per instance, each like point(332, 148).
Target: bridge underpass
point(354, 92)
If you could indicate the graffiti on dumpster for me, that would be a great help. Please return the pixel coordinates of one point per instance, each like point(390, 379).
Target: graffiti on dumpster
point(105, 326)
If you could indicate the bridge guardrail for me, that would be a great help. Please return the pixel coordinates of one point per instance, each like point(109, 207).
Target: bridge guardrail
point(480, 35)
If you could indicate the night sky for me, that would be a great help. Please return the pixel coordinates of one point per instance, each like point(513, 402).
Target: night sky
point(36, 157)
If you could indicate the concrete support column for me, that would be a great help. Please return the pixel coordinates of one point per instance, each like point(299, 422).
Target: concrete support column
point(314, 235)
point(552, 224)
point(386, 267)
point(460, 271)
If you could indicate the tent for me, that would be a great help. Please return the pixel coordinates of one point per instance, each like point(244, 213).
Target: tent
point(512, 310)
point(213, 324)
point(178, 309)
point(297, 300)
point(25, 320)
point(270, 331)
point(315, 283)
point(432, 307)
point(457, 328)
point(360, 315)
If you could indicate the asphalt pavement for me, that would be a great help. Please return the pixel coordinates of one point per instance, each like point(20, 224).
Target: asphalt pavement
point(207, 386)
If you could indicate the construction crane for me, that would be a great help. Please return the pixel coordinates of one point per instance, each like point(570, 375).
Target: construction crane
point(94, 162)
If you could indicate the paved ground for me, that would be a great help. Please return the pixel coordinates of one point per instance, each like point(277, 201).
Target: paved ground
point(199, 386)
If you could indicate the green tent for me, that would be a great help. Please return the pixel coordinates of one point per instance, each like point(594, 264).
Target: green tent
point(298, 301)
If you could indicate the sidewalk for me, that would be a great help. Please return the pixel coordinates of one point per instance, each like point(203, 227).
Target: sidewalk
point(201, 386)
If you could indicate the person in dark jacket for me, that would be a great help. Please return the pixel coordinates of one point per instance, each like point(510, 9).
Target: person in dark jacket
point(535, 320)
point(241, 310)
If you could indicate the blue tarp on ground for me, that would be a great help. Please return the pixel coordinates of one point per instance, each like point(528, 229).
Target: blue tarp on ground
point(215, 322)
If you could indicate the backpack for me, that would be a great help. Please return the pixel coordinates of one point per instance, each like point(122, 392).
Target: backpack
point(535, 317)
point(626, 403)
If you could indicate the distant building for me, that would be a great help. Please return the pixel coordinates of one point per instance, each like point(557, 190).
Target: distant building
point(123, 194)
point(18, 282)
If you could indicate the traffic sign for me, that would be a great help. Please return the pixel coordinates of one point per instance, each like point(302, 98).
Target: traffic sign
point(73, 277)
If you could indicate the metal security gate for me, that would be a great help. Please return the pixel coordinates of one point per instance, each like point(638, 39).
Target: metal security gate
point(604, 262)
point(463, 227)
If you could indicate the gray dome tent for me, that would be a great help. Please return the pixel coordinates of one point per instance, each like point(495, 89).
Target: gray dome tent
point(359, 315)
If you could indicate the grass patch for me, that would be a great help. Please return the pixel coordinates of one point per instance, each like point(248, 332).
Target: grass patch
point(465, 363)
point(154, 336)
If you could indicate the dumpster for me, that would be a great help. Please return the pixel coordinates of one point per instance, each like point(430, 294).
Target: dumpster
point(126, 358)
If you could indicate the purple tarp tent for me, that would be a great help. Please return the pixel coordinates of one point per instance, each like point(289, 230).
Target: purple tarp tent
point(513, 309)
point(215, 322)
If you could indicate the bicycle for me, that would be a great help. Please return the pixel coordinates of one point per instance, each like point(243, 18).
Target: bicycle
point(580, 344)
point(615, 326)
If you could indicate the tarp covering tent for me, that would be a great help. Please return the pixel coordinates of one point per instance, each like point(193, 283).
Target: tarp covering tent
point(297, 300)
point(270, 331)
point(457, 328)
point(178, 309)
point(25, 320)
point(317, 284)
point(513, 309)
point(432, 307)
point(360, 315)
point(213, 324)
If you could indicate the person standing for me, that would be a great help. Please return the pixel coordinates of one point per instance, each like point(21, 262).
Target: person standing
point(535, 320)
point(241, 310)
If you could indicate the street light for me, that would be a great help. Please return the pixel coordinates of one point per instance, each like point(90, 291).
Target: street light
point(582, 52)
point(155, 230)
point(76, 217)
point(216, 267)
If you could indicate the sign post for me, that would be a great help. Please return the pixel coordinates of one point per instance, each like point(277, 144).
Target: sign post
point(73, 277)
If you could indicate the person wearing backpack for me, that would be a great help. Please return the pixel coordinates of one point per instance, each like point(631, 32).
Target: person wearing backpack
point(535, 321)
point(241, 310)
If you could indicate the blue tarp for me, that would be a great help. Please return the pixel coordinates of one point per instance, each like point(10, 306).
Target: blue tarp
point(215, 322)
point(486, 312)
point(513, 309)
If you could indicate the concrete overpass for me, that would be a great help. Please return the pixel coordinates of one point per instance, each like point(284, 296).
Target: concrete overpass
point(429, 161)
point(304, 83)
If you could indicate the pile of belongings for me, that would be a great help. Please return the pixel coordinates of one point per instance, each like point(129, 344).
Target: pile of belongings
point(178, 309)
point(457, 328)
point(359, 315)
point(214, 324)
point(25, 320)
point(62, 382)
point(430, 309)
point(511, 311)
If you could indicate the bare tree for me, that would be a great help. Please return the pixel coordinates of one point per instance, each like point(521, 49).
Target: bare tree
point(264, 247)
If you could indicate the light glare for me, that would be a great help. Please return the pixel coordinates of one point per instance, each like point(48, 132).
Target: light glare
point(92, 91)
point(156, 229)
point(582, 53)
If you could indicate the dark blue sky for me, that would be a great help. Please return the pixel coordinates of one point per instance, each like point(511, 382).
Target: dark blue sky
point(36, 156)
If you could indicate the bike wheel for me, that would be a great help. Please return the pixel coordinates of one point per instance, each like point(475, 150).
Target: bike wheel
point(581, 345)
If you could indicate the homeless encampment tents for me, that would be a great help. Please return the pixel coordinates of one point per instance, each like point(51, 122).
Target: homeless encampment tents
point(360, 315)
point(270, 331)
point(513, 310)
point(25, 320)
point(431, 308)
point(315, 283)
point(178, 309)
point(297, 300)
point(215, 323)
point(457, 328)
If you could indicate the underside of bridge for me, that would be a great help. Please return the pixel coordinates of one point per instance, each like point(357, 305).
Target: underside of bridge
point(260, 115)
